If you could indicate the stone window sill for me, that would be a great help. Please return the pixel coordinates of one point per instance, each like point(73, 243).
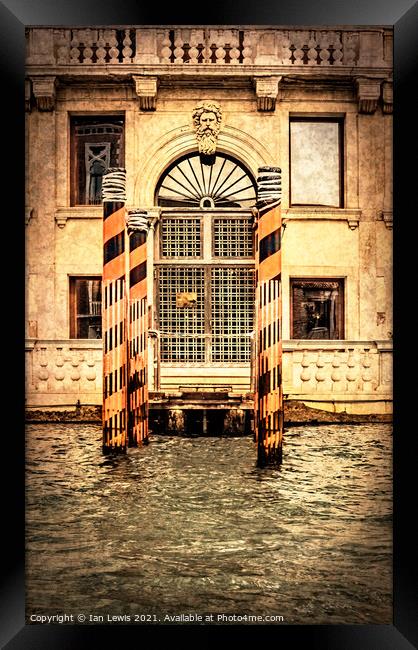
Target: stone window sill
point(78, 212)
point(307, 213)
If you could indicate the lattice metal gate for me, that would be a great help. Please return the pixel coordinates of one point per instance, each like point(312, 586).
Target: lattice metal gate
point(205, 286)
point(217, 327)
point(182, 330)
point(232, 311)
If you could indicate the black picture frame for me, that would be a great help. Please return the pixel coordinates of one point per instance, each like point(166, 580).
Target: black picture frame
point(403, 15)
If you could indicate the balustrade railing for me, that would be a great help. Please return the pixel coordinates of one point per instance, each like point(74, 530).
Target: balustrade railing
point(312, 370)
point(345, 368)
point(326, 47)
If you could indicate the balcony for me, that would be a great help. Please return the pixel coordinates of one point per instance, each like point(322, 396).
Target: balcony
point(297, 49)
point(263, 58)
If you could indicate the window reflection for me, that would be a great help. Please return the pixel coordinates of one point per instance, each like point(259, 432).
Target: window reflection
point(86, 299)
point(317, 309)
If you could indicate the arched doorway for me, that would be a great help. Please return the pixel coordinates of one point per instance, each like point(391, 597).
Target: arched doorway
point(204, 273)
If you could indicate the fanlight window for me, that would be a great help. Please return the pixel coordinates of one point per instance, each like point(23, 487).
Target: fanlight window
point(188, 183)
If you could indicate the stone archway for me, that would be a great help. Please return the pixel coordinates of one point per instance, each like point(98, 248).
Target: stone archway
point(181, 141)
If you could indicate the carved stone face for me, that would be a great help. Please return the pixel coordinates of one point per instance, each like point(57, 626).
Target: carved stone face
point(207, 133)
point(207, 122)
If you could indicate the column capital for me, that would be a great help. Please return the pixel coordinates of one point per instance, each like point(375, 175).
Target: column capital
point(154, 214)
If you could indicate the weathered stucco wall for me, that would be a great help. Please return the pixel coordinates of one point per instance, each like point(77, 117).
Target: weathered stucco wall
point(353, 242)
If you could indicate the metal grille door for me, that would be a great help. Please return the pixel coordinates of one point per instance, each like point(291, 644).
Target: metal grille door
point(182, 328)
point(232, 314)
point(216, 326)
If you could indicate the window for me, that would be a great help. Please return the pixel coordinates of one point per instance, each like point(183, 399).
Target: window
point(233, 237)
point(97, 143)
point(317, 309)
point(316, 161)
point(189, 183)
point(86, 308)
point(181, 237)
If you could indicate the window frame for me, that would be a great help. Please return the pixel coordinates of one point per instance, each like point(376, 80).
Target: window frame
point(196, 205)
point(73, 171)
point(340, 120)
point(73, 315)
point(341, 280)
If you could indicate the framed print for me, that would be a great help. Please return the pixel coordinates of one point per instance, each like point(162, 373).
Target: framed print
point(211, 311)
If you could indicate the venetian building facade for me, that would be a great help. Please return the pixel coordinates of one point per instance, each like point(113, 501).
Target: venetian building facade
point(316, 102)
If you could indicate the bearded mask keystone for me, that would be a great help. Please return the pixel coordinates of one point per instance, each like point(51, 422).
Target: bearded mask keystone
point(207, 118)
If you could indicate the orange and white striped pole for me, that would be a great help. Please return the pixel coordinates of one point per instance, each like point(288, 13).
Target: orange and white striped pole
point(137, 229)
point(268, 398)
point(114, 313)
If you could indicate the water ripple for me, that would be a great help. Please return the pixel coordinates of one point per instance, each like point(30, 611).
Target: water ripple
point(190, 524)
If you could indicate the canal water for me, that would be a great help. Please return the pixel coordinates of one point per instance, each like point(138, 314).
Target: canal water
point(190, 526)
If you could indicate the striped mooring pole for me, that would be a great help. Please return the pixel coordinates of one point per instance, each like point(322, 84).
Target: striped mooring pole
point(268, 398)
point(125, 319)
point(114, 322)
point(137, 229)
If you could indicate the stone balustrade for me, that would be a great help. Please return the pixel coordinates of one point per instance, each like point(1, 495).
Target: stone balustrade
point(338, 371)
point(326, 372)
point(59, 373)
point(367, 47)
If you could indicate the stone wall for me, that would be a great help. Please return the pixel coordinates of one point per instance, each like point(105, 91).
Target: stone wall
point(261, 77)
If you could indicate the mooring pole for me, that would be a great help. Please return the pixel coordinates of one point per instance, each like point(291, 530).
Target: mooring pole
point(114, 326)
point(268, 398)
point(137, 229)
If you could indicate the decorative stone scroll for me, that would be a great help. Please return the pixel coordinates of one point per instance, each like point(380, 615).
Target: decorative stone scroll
point(387, 95)
point(44, 93)
point(207, 120)
point(266, 89)
point(368, 94)
point(146, 89)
